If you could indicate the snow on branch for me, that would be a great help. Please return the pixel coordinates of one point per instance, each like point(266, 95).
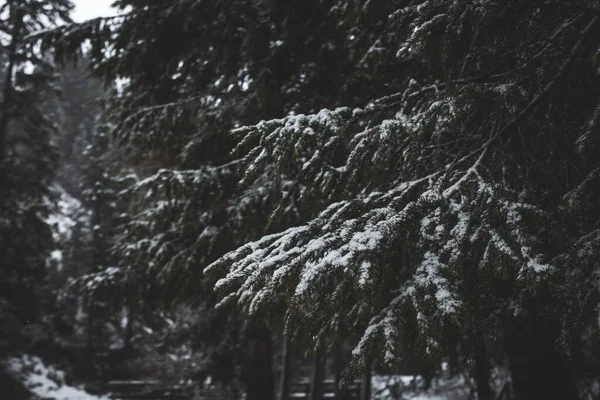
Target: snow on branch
point(182, 221)
point(410, 208)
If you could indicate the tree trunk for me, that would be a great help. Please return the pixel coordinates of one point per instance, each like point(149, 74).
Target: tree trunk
point(258, 364)
point(482, 371)
point(338, 365)
point(17, 20)
point(286, 362)
point(13, 389)
point(316, 380)
point(90, 328)
point(538, 371)
point(365, 387)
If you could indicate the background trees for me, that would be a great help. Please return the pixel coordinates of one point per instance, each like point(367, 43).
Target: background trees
point(414, 177)
point(29, 122)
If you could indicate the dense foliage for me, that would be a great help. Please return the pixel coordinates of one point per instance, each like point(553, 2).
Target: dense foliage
point(415, 177)
point(29, 122)
point(457, 204)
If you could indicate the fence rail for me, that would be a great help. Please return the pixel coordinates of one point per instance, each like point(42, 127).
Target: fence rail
point(152, 390)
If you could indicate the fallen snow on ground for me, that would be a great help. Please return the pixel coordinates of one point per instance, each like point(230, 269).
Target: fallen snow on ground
point(46, 381)
point(401, 387)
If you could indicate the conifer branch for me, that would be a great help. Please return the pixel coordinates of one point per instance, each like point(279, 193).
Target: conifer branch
point(549, 86)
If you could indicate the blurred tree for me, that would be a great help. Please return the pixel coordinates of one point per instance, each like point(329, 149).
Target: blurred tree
point(29, 122)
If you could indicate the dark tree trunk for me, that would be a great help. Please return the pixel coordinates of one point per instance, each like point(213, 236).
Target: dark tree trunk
point(90, 329)
point(11, 388)
point(286, 362)
point(258, 364)
point(482, 371)
point(538, 371)
point(316, 380)
point(365, 387)
point(17, 21)
point(338, 365)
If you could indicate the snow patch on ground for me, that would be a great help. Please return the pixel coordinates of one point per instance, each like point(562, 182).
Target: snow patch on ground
point(404, 387)
point(46, 381)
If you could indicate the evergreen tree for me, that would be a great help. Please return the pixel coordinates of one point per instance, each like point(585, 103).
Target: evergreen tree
point(197, 70)
point(91, 257)
point(80, 98)
point(29, 121)
point(447, 190)
point(459, 204)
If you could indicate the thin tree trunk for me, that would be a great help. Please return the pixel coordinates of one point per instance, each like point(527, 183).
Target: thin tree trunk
point(284, 383)
point(365, 387)
point(316, 381)
point(258, 365)
point(96, 262)
point(482, 371)
point(338, 365)
point(90, 329)
point(17, 21)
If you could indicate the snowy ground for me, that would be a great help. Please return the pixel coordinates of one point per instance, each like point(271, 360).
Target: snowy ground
point(49, 383)
point(400, 387)
point(46, 381)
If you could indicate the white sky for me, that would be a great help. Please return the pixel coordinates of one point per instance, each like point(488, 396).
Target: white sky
point(86, 9)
